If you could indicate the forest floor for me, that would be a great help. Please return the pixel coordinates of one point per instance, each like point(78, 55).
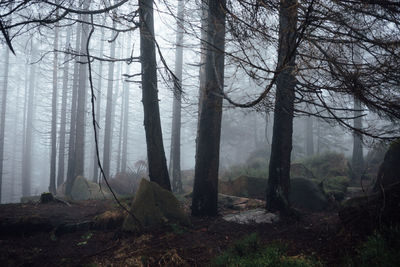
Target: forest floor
point(55, 234)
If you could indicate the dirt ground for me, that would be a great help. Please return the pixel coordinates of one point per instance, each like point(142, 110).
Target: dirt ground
point(55, 234)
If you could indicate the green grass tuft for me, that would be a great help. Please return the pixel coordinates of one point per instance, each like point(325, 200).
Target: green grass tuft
point(248, 251)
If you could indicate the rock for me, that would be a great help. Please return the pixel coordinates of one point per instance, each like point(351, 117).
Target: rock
point(83, 189)
point(306, 194)
point(123, 184)
point(153, 206)
point(328, 165)
point(244, 186)
point(239, 203)
point(252, 217)
point(372, 211)
point(299, 170)
point(389, 171)
point(374, 159)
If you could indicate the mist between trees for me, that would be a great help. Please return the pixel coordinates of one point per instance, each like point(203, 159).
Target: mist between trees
point(191, 85)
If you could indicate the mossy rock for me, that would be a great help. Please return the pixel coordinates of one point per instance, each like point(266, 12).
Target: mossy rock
point(154, 206)
point(299, 170)
point(306, 194)
point(83, 189)
point(244, 186)
point(328, 165)
point(389, 171)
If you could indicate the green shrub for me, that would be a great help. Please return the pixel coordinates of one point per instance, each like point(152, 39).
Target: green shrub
point(243, 169)
point(381, 249)
point(249, 252)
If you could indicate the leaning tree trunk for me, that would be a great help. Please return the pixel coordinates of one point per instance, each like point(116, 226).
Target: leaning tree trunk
point(279, 167)
point(175, 153)
point(158, 171)
point(3, 114)
point(61, 151)
point(358, 158)
point(53, 154)
point(205, 190)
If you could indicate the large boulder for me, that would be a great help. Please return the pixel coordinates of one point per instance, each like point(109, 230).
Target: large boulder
point(389, 171)
point(83, 189)
point(124, 184)
point(244, 186)
point(153, 206)
point(308, 195)
point(328, 165)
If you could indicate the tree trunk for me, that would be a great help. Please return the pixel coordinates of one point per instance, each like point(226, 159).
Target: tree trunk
point(126, 116)
point(309, 136)
point(61, 151)
point(27, 156)
point(81, 101)
point(98, 105)
point(205, 190)
point(279, 168)
point(53, 154)
point(175, 156)
point(109, 106)
point(3, 115)
point(158, 171)
point(72, 137)
point(358, 157)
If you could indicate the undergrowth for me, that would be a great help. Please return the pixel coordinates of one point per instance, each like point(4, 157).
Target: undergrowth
point(248, 251)
point(380, 249)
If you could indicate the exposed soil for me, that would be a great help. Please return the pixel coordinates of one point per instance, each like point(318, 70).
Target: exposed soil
point(55, 234)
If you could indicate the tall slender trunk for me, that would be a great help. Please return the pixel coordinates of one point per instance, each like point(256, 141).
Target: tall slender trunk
point(175, 153)
point(205, 190)
point(279, 167)
point(98, 109)
point(53, 154)
point(113, 116)
point(203, 57)
point(126, 115)
point(309, 136)
point(109, 106)
point(358, 157)
point(158, 170)
point(61, 152)
point(3, 115)
point(27, 156)
point(81, 101)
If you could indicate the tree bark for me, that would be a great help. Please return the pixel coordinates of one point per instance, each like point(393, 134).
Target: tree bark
point(205, 190)
point(175, 153)
point(27, 156)
point(358, 157)
point(158, 171)
point(309, 136)
point(81, 101)
point(3, 116)
point(53, 154)
point(64, 100)
point(126, 116)
point(98, 105)
point(109, 106)
point(279, 168)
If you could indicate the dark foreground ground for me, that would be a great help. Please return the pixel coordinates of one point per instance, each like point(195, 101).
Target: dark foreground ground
point(55, 234)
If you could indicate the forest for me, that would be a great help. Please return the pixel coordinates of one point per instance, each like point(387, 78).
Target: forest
point(199, 133)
